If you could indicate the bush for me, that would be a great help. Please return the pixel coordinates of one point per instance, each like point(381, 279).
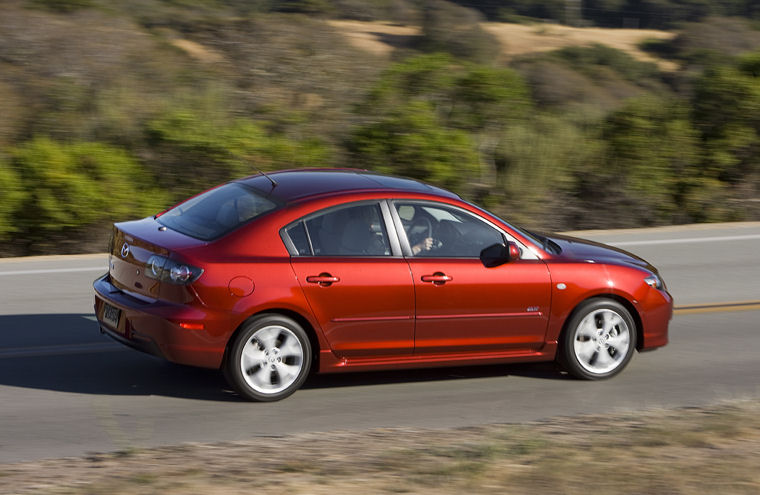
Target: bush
point(653, 158)
point(404, 11)
point(62, 6)
point(464, 95)
point(73, 186)
point(536, 162)
point(409, 142)
point(12, 195)
point(194, 152)
point(447, 27)
point(711, 40)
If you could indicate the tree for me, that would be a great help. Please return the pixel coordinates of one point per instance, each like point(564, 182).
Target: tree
point(653, 160)
point(410, 142)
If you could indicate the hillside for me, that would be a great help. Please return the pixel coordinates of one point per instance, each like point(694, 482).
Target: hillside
point(381, 38)
point(113, 110)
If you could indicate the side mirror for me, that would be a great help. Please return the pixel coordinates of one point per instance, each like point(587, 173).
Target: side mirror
point(499, 254)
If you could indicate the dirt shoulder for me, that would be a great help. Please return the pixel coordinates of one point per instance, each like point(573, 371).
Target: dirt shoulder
point(682, 451)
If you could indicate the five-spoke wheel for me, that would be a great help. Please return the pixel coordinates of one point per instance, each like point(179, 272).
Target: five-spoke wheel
point(599, 340)
point(269, 359)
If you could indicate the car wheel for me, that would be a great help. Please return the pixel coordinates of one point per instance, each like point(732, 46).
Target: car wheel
point(269, 359)
point(598, 341)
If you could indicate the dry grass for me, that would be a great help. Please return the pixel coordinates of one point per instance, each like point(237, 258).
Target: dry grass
point(197, 51)
point(682, 451)
point(516, 39)
point(519, 39)
point(378, 38)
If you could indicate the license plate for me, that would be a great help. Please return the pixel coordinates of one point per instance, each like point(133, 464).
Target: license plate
point(111, 315)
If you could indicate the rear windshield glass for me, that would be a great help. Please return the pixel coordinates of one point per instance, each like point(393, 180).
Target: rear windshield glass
point(216, 212)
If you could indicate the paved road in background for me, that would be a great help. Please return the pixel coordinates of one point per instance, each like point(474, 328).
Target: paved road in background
point(65, 390)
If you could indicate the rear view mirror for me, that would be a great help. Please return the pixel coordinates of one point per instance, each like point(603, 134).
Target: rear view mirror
point(499, 254)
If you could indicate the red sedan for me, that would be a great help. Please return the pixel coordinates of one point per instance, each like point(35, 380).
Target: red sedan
point(274, 276)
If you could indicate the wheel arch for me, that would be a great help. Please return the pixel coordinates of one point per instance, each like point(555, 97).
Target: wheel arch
point(627, 304)
point(294, 315)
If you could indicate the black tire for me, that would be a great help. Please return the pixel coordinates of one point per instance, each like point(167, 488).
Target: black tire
point(269, 359)
point(598, 341)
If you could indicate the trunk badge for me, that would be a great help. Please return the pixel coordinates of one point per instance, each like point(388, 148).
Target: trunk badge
point(124, 250)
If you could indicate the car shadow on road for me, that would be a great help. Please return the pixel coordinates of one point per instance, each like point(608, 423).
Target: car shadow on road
point(67, 353)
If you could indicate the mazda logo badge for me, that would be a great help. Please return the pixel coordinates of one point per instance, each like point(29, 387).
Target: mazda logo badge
point(124, 250)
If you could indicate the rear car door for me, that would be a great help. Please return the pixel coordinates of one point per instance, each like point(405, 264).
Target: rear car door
point(355, 279)
point(462, 306)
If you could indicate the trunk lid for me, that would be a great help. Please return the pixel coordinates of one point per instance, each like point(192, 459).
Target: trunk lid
point(133, 245)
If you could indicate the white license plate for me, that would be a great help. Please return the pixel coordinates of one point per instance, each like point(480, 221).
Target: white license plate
point(111, 315)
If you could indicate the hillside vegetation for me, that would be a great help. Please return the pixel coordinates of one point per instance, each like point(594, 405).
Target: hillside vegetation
point(112, 110)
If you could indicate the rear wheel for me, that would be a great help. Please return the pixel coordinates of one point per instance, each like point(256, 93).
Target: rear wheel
point(599, 340)
point(269, 359)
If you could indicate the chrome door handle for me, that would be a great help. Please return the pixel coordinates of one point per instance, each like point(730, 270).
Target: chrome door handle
point(437, 278)
point(323, 279)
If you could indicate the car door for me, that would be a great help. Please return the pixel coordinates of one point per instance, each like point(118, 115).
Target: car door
point(355, 279)
point(462, 306)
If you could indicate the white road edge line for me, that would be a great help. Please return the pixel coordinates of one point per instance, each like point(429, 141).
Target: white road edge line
point(57, 270)
point(686, 240)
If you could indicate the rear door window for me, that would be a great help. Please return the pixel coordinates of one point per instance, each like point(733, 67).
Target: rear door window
point(357, 230)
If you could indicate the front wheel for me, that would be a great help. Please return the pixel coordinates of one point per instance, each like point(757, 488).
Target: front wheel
point(599, 340)
point(269, 359)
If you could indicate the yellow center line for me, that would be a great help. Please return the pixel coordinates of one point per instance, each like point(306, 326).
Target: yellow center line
point(717, 307)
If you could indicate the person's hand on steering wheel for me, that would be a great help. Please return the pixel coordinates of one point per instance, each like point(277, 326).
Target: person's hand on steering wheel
point(425, 244)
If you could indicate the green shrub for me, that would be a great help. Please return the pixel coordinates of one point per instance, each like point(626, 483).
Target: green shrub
point(72, 186)
point(464, 95)
point(303, 6)
point(62, 6)
point(654, 156)
point(12, 196)
point(447, 27)
point(410, 142)
point(536, 161)
point(194, 152)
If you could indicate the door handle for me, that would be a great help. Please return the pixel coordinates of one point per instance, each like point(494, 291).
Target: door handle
point(323, 279)
point(438, 278)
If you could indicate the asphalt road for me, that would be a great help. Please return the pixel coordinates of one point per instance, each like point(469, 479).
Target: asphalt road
point(65, 390)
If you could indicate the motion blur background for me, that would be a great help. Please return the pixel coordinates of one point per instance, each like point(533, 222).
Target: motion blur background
point(560, 114)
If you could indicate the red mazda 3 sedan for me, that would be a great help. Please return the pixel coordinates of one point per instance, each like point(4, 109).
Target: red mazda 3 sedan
point(274, 276)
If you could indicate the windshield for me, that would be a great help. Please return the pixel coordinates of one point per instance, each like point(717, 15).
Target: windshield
point(528, 235)
point(216, 212)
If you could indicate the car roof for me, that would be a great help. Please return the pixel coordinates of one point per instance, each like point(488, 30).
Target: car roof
point(299, 184)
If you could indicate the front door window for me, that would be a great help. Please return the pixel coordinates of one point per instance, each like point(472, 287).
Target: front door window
point(460, 305)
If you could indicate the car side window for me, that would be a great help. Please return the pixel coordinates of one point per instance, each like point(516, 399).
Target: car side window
point(349, 231)
point(297, 234)
point(438, 231)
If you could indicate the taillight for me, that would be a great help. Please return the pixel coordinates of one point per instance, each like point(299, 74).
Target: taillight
point(166, 270)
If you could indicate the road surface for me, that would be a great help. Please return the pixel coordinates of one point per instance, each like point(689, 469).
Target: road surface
point(66, 390)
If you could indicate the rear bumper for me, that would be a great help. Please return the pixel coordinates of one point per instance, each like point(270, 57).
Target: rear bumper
point(154, 327)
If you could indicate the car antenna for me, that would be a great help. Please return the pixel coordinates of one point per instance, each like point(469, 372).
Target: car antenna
point(274, 182)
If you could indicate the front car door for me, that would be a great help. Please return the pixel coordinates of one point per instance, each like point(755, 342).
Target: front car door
point(348, 262)
point(462, 306)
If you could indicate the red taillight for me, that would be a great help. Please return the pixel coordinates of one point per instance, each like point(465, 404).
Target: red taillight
point(166, 270)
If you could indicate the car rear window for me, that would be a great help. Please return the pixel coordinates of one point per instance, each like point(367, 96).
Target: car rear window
point(216, 212)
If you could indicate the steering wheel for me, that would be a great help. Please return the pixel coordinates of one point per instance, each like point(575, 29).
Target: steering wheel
point(425, 223)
